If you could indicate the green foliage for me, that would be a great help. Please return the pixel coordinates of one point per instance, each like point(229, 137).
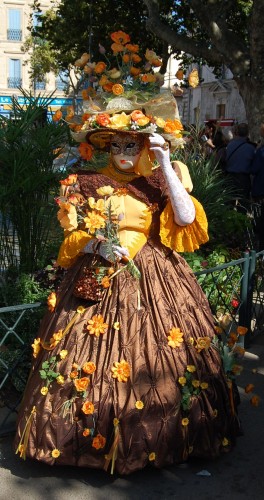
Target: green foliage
point(28, 183)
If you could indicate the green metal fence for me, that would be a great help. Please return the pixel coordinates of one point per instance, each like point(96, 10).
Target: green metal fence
point(235, 291)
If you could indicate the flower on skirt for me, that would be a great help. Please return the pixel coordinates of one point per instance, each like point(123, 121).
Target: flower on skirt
point(81, 384)
point(55, 453)
point(191, 368)
point(152, 456)
point(89, 367)
point(36, 347)
point(98, 442)
point(44, 391)
point(88, 408)
point(202, 343)
point(96, 325)
point(121, 371)
point(139, 405)
point(225, 442)
point(185, 422)
point(51, 301)
point(175, 338)
point(63, 354)
point(86, 432)
point(182, 380)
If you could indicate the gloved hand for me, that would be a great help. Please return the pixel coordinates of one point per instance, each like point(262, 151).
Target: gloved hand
point(102, 248)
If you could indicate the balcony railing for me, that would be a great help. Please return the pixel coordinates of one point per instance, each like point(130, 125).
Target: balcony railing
point(13, 82)
point(15, 35)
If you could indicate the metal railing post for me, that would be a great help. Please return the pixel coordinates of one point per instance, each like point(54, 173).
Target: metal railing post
point(244, 319)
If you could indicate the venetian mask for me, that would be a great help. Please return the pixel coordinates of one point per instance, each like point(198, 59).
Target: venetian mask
point(126, 149)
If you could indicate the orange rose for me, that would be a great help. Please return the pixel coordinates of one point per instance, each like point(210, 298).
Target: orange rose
point(118, 89)
point(136, 115)
point(88, 408)
point(143, 121)
point(103, 119)
point(74, 374)
point(89, 367)
point(136, 58)
point(81, 384)
point(108, 87)
point(120, 37)
point(98, 442)
point(100, 67)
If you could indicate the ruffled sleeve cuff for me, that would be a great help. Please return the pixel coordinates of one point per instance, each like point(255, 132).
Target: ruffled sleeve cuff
point(184, 238)
point(72, 245)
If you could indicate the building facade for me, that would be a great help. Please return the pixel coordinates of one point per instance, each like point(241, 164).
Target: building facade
point(15, 19)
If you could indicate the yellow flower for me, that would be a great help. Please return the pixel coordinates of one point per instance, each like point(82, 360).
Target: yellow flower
point(115, 422)
point(67, 216)
point(196, 383)
point(55, 453)
point(60, 380)
point(63, 354)
point(139, 405)
point(202, 343)
point(160, 122)
point(121, 371)
point(51, 301)
point(96, 205)
point(175, 338)
point(94, 221)
point(80, 309)
point(44, 390)
point(204, 385)
point(120, 120)
point(36, 347)
point(105, 191)
point(96, 325)
point(116, 325)
point(152, 456)
point(182, 380)
point(191, 368)
point(143, 121)
point(191, 340)
point(225, 442)
point(190, 449)
point(185, 422)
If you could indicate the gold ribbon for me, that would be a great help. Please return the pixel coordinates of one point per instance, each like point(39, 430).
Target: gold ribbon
point(25, 435)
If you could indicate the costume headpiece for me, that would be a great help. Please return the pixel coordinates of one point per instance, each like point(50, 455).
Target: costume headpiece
point(124, 98)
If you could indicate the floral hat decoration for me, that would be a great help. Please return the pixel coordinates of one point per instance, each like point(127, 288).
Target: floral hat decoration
point(126, 97)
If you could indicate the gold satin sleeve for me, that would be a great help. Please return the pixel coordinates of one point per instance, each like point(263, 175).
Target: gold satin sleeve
point(184, 238)
point(71, 247)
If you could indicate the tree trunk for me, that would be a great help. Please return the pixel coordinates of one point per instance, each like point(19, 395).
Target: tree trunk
point(251, 91)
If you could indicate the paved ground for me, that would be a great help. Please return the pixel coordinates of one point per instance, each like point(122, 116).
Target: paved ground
point(236, 475)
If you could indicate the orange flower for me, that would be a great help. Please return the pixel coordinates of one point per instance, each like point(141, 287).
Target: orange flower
point(57, 116)
point(152, 456)
point(81, 384)
point(233, 336)
point(242, 330)
point(120, 37)
point(67, 216)
point(132, 48)
point(96, 325)
point(172, 126)
point(135, 58)
point(225, 442)
point(86, 432)
point(89, 367)
point(105, 282)
point(126, 58)
point(86, 151)
point(51, 301)
point(36, 347)
point(175, 338)
point(100, 67)
point(70, 111)
point(103, 119)
point(74, 374)
point(70, 180)
point(118, 89)
point(148, 78)
point(134, 71)
point(98, 442)
point(108, 87)
point(156, 63)
point(87, 93)
point(117, 47)
point(85, 117)
point(202, 343)
point(136, 115)
point(255, 400)
point(121, 371)
point(249, 388)
point(88, 408)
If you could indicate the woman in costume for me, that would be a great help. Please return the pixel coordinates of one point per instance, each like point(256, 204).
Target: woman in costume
point(126, 369)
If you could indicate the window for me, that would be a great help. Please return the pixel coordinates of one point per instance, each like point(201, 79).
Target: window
point(14, 31)
point(62, 80)
point(36, 19)
point(40, 85)
point(14, 80)
point(220, 111)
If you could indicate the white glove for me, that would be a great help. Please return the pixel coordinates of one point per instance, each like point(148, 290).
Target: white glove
point(182, 205)
point(101, 248)
point(120, 252)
